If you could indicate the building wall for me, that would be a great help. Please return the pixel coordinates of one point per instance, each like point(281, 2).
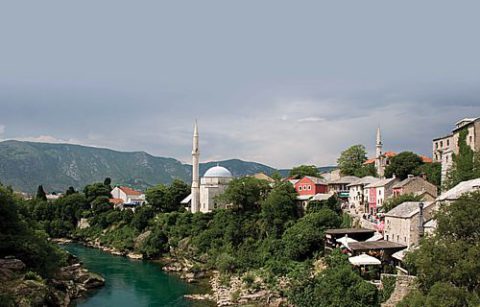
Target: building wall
point(211, 187)
point(118, 193)
point(307, 187)
point(416, 185)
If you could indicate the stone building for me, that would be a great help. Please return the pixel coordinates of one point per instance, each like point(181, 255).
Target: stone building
point(444, 147)
point(405, 224)
point(416, 186)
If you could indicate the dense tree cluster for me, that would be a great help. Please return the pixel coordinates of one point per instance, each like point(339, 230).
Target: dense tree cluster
point(304, 170)
point(352, 162)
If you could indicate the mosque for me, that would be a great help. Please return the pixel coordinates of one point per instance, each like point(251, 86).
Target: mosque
point(213, 183)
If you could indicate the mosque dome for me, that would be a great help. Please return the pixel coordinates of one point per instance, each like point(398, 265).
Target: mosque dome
point(217, 171)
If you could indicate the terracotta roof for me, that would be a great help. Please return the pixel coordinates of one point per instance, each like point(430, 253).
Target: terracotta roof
point(116, 201)
point(375, 245)
point(316, 180)
point(130, 191)
point(391, 154)
point(381, 182)
point(407, 209)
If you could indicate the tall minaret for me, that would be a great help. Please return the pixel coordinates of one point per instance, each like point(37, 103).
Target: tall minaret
point(195, 207)
point(378, 155)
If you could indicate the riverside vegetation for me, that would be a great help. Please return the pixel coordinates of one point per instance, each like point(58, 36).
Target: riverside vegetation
point(262, 248)
point(34, 271)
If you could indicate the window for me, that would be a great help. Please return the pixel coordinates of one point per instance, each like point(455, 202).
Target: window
point(441, 143)
point(446, 158)
point(299, 188)
point(471, 139)
point(405, 239)
point(448, 142)
point(436, 145)
point(387, 237)
point(309, 187)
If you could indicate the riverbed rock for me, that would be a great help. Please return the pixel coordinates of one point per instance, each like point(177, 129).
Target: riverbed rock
point(135, 256)
point(15, 265)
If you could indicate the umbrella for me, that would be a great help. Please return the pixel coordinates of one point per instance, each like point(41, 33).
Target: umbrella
point(364, 259)
point(345, 240)
point(376, 237)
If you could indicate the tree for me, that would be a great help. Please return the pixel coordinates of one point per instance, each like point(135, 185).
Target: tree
point(279, 208)
point(92, 191)
point(432, 172)
point(167, 198)
point(397, 200)
point(466, 164)
point(107, 181)
point(306, 236)
point(70, 191)
point(41, 195)
point(403, 164)
point(276, 176)
point(304, 170)
point(351, 160)
point(245, 193)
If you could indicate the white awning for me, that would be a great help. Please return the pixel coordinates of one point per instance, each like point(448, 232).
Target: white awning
point(400, 255)
point(376, 237)
point(187, 199)
point(345, 240)
point(364, 259)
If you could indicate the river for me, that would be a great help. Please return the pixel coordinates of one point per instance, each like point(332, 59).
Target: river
point(131, 282)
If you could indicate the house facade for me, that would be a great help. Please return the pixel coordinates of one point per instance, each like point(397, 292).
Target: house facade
point(378, 192)
point(357, 200)
point(128, 195)
point(405, 224)
point(444, 147)
point(416, 186)
point(310, 186)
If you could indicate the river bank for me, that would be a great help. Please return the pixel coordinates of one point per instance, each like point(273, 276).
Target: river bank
point(132, 282)
point(216, 289)
point(25, 288)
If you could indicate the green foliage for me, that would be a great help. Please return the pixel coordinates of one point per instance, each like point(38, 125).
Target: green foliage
point(447, 264)
point(167, 198)
point(403, 164)
point(142, 217)
point(389, 283)
point(41, 195)
point(306, 236)
point(245, 194)
point(276, 176)
point(391, 203)
point(304, 170)
point(466, 164)
point(96, 190)
point(33, 276)
point(366, 170)
point(337, 285)
point(432, 172)
point(351, 160)
point(155, 244)
point(20, 237)
point(332, 203)
point(279, 208)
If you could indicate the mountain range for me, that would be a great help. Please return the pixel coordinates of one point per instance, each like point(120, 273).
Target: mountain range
point(25, 165)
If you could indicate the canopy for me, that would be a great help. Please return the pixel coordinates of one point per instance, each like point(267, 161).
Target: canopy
point(400, 255)
point(345, 240)
point(364, 259)
point(376, 237)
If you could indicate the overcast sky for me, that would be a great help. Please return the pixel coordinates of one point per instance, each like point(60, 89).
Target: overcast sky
point(278, 82)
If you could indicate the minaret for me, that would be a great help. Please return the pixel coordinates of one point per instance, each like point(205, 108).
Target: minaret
point(378, 155)
point(195, 206)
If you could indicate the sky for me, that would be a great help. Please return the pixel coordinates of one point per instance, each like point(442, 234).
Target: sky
point(278, 82)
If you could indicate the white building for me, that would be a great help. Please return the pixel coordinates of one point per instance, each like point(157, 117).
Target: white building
point(128, 195)
point(357, 199)
point(378, 192)
point(213, 183)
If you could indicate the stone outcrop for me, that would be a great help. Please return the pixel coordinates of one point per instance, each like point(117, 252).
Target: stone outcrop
point(28, 289)
point(404, 284)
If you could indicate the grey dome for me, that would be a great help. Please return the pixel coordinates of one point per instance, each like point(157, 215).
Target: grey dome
point(217, 171)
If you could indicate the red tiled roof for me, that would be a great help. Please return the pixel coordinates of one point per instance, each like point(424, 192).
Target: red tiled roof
point(426, 159)
point(130, 191)
point(391, 154)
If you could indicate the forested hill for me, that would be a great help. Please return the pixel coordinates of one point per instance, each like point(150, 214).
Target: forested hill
point(25, 165)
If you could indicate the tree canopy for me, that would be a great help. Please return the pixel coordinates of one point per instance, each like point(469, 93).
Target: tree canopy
point(167, 198)
point(351, 160)
point(245, 193)
point(403, 164)
point(304, 170)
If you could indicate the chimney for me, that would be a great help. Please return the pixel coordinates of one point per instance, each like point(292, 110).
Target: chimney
point(421, 230)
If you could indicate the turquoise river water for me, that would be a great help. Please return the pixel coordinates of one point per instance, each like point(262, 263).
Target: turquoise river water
point(131, 282)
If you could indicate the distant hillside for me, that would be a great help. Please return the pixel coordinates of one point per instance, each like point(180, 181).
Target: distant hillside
point(25, 165)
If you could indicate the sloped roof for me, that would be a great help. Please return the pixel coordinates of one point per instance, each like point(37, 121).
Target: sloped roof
point(380, 183)
point(391, 154)
point(461, 188)
point(316, 180)
point(130, 191)
point(344, 180)
point(407, 209)
point(363, 181)
point(116, 201)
